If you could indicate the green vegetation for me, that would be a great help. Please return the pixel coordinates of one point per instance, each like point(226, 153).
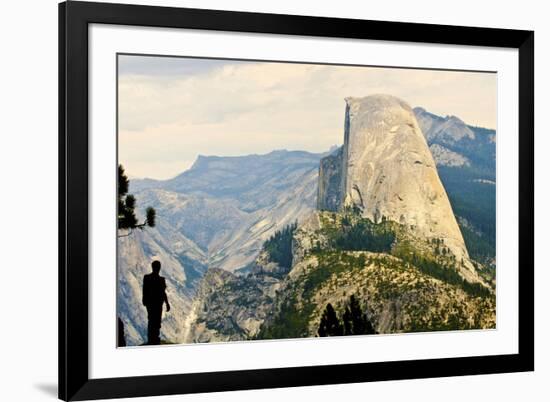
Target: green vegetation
point(435, 260)
point(397, 278)
point(474, 202)
point(479, 246)
point(294, 313)
point(291, 320)
point(351, 232)
point(448, 274)
point(363, 235)
point(279, 246)
point(382, 282)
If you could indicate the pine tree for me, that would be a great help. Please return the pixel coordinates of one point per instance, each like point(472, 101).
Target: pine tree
point(330, 325)
point(127, 205)
point(347, 322)
point(369, 328)
point(359, 322)
point(357, 319)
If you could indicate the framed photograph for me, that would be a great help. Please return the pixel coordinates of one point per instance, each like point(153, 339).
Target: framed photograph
point(257, 201)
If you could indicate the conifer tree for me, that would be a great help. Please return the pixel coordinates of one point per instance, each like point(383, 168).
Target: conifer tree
point(369, 328)
point(127, 205)
point(359, 322)
point(279, 245)
point(330, 325)
point(346, 318)
point(357, 319)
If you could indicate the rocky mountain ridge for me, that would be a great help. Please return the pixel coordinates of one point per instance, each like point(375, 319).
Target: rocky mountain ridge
point(230, 205)
point(399, 292)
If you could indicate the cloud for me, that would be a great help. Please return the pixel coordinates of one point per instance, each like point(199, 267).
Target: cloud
point(253, 107)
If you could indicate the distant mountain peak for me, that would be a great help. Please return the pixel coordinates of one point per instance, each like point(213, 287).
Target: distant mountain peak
point(201, 161)
point(447, 130)
point(454, 119)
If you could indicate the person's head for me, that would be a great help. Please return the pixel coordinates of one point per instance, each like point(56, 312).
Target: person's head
point(156, 266)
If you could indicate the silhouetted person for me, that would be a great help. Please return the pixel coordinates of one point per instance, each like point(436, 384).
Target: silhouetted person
point(154, 296)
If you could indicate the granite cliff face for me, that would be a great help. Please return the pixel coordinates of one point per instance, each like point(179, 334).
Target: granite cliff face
point(387, 170)
point(330, 179)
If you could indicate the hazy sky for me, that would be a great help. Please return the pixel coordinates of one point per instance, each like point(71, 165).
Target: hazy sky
point(173, 109)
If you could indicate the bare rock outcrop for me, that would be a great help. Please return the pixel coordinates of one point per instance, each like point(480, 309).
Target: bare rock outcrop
point(387, 170)
point(445, 157)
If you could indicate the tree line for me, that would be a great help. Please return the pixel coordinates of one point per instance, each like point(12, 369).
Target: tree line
point(363, 235)
point(353, 322)
point(279, 245)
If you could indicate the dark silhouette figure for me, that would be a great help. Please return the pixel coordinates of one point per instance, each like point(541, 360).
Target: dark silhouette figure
point(154, 296)
point(121, 341)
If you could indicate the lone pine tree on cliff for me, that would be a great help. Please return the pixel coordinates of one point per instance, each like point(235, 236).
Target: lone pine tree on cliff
point(126, 207)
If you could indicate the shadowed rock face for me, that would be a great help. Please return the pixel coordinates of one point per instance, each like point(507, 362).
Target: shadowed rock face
point(388, 171)
point(330, 179)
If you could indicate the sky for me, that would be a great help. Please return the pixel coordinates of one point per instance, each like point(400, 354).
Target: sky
point(170, 110)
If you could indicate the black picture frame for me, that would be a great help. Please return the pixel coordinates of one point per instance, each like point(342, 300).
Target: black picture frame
point(74, 18)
